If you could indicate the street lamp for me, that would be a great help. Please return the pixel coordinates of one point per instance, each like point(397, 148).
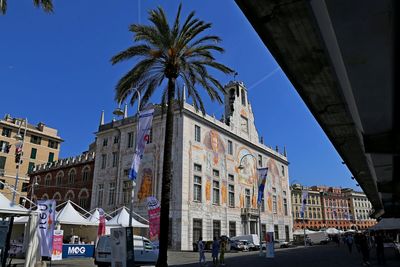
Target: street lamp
point(33, 191)
point(19, 151)
point(241, 167)
point(118, 111)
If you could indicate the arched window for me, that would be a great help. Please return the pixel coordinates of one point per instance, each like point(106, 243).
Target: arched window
point(45, 196)
point(243, 97)
point(59, 177)
point(71, 176)
point(83, 198)
point(47, 180)
point(70, 195)
point(57, 196)
point(85, 174)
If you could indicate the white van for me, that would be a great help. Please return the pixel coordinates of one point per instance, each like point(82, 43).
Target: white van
point(145, 252)
point(249, 238)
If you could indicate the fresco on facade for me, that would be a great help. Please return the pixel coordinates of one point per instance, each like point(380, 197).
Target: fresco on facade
point(208, 189)
point(214, 143)
point(146, 185)
point(223, 192)
point(248, 175)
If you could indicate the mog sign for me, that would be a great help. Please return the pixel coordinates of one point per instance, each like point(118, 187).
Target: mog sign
point(77, 251)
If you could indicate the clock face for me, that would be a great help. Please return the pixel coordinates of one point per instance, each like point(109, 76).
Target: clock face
point(244, 124)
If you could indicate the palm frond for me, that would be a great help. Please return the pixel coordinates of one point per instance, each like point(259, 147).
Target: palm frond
point(133, 51)
point(47, 5)
point(3, 6)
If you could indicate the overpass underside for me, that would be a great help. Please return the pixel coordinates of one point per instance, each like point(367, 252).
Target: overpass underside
point(339, 56)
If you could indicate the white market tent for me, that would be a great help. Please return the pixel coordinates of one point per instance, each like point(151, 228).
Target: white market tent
point(6, 207)
point(301, 232)
point(332, 231)
point(69, 215)
point(387, 224)
point(122, 219)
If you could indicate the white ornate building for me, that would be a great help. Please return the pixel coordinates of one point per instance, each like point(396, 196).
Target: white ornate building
point(210, 195)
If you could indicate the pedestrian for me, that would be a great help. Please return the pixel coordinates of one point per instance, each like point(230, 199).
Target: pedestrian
point(215, 250)
point(380, 249)
point(349, 241)
point(200, 246)
point(364, 246)
point(357, 237)
point(223, 249)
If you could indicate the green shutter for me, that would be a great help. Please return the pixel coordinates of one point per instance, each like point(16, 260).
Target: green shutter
point(51, 157)
point(2, 162)
point(33, 153)
point(31, 166)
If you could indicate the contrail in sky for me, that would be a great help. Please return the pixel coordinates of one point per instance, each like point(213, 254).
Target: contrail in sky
point(263, 79)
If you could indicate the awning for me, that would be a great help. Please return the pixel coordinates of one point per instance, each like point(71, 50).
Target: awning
point(122, 219)
point(6, 207)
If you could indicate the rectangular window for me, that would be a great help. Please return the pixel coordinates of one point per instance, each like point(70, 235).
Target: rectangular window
point(100, 191)
point(115, 159)
point(197, 167)
point(276, 232)
point(116, 139)
point(197, 229)
point(215, 192)
point(131, 139)
point(31, 166)
point(263, 231)
point(274, 204)
point(2, 184)
point(248, 200)
point(36, 139)
point(263, 204)
point(283, 170)
point(25, 187)
point(232, 229)
point(216, 173)
point(197, 188)
point(2, 163)
point(231, 189)
point(230, 147)
point(150, 137)
point(103, 161)
point(216, 229)
point(111, 195)
point(197, 133)
point(52, 144)
point(285, 207)
point(51, 157)
point(6, 132)
point(231, 178)
point(33, 153)
point(287, 233)
point(4, 147)
point(105, 141)
point(260, 161)
point(127, 191)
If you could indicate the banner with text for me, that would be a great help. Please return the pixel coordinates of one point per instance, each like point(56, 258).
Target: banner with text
point(47, 216)
point(56, 254)
point(304, 197)
point(142, 138)
point(153, 208)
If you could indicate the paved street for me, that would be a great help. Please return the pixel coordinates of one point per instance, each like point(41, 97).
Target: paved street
point(326, 256)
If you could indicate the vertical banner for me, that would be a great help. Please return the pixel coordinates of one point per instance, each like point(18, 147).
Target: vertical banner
point(56, 254)
point(142, 137)
point(270, 245)
point(262, 179)
point(102, 223)
point(153, 207)
point(47, 212)
point(304, 196)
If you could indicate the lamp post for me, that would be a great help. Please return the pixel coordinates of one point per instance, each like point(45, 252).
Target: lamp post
point(33, 191)
point(19, 150)
point(241, 167)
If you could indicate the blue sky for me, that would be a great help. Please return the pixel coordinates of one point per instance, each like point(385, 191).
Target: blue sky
point(56, 69)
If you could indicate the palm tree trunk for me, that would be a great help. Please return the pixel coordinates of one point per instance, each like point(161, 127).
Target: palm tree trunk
point(166, 177)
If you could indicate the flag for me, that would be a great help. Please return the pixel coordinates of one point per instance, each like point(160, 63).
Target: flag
point(47, 214)
point(262, 179)
point(102, 223)
point(153, 209)
point(304, 196)
point(142, 137)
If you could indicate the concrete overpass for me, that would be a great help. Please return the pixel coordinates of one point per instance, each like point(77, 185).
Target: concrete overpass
point(339, 56)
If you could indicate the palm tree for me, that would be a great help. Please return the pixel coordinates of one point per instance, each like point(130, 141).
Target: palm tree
point(47, 5)
point(170, 56)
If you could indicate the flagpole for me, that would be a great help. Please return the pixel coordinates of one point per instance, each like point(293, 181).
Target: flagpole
point(133, 182)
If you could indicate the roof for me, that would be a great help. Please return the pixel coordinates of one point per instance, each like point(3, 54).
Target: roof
point(122, 219)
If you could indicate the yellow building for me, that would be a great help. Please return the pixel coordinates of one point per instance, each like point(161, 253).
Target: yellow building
point(40, 144)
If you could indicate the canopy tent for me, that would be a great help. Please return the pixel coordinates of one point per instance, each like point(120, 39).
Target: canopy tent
point(95, 217)
point(332, 231)
point(69, 215)
point(301, 232)
point(387, 224)
point(122, 219)
point(7, 208)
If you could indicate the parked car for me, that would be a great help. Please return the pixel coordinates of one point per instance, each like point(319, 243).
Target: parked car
point(249, 238)
point(246, 245)
point(145, 252)
point(237, 245)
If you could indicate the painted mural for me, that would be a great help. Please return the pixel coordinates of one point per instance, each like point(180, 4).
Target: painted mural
point(214, 143)
point(208, 189)
point(223, 192)
point(248, 175)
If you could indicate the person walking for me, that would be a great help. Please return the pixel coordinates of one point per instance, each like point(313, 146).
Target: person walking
point(223, 249)
point(380, 249)
point(215, 251)
point(364, 246)
point(200, 246)
point(357, 237)
point(349, 242)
